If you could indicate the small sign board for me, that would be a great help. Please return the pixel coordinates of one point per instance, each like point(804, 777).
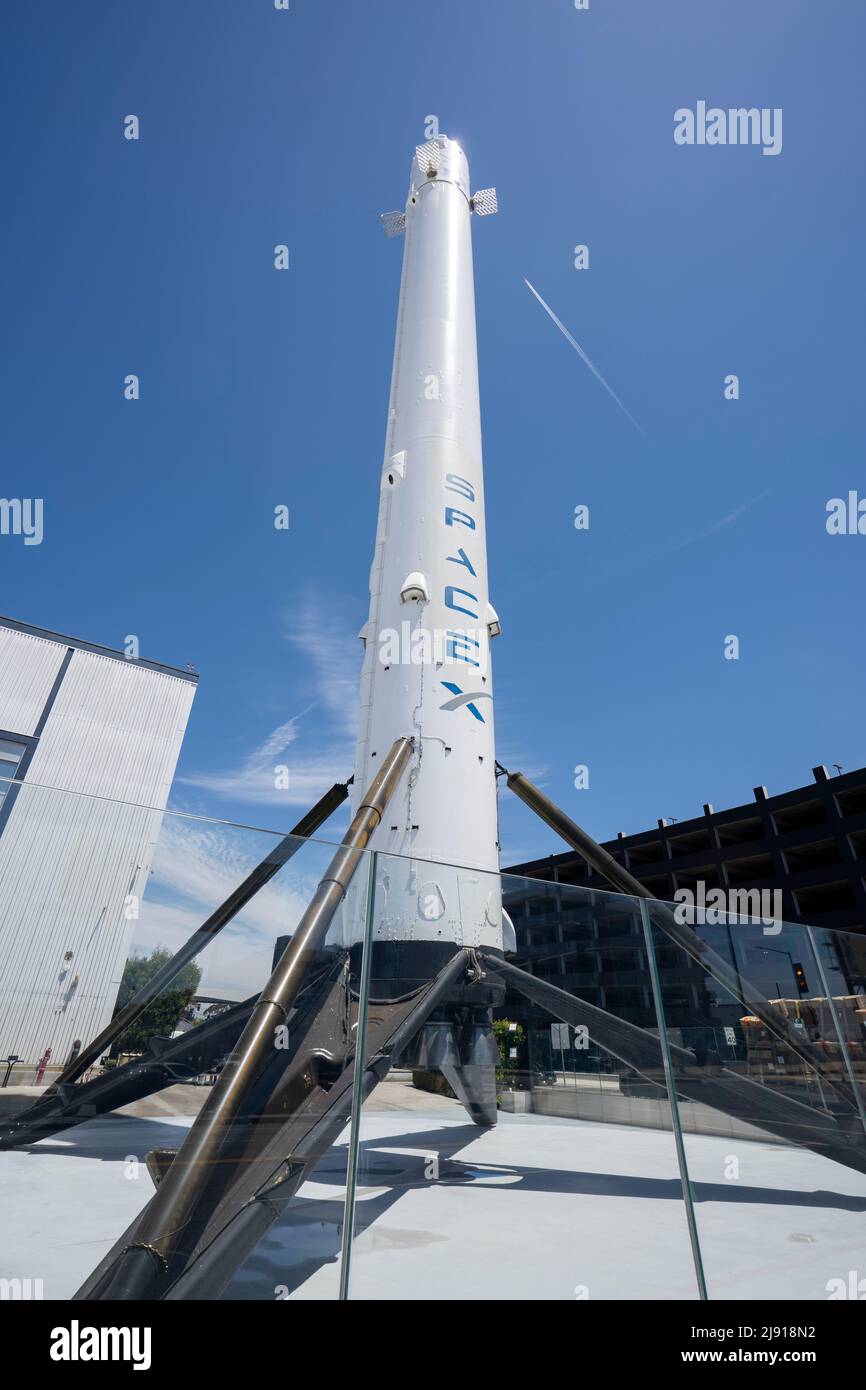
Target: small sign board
point(560, 1036)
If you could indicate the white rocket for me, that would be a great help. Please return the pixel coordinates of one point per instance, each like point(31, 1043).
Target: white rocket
point(427, 670)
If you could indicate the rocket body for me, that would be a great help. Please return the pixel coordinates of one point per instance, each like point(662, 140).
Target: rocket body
point(427, 670)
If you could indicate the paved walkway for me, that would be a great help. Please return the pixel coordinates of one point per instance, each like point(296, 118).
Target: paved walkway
point(537, 1208)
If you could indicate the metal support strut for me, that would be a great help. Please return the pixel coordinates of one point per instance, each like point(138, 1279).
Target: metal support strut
point(196, 1180)
point(688, 940)
point(166, 1060)
point(260, 875)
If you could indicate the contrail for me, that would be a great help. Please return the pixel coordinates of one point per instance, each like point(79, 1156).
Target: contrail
point(580, 352)
point(720, 525)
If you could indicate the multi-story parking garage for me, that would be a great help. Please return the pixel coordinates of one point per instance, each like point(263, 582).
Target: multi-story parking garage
point(807, 845)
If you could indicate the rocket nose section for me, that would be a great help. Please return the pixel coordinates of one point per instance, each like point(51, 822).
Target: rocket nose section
point(440, 158)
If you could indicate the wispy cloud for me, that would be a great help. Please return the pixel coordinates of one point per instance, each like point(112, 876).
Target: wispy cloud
point(195, 867)
point(316, 745)
point(254, 781)
point(583, 356)
point(333, 654)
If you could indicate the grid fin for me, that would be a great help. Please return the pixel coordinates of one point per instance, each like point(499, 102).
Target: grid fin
point(429, 158)
point(393, 222)
point(485, 202)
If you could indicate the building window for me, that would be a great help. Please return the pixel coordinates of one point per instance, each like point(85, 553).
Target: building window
point(11, 753)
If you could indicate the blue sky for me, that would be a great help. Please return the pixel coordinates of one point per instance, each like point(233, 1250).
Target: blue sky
point(259, 388)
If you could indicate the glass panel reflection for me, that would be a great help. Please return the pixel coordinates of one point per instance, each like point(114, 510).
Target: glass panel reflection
point(517, 1137)
point(574, 1192)
point(773, 1127)
point(194, 945)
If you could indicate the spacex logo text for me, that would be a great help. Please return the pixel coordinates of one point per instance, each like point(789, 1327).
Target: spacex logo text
point(77, 1343)
point(463, 649)
point(462, 698)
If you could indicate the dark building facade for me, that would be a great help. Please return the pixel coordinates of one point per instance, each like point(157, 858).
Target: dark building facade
point(808, 844)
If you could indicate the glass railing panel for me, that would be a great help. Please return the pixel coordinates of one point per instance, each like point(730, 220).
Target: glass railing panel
point(96, 897)
point(520, 1146)
point(772, 1125)
point(835, 1011)
point(566, 1040)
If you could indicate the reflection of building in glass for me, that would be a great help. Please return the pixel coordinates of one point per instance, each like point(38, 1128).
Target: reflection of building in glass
point(766, 1057)
point(810, 844)
point(591, 944)
point(83, 719)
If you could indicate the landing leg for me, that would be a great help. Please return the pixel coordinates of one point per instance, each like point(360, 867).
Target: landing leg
point(475, 1087)
point(833, 1135)
point(302, 1103)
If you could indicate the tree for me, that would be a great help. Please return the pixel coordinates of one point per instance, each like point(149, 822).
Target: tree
point(507, 1035)
point(163, 1014)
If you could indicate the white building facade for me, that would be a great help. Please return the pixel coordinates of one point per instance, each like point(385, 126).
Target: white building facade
point(89, 741)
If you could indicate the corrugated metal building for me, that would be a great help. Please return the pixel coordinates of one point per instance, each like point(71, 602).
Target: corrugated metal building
point(93, 739)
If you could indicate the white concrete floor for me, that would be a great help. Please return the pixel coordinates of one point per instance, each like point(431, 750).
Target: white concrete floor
point(536, 1208)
